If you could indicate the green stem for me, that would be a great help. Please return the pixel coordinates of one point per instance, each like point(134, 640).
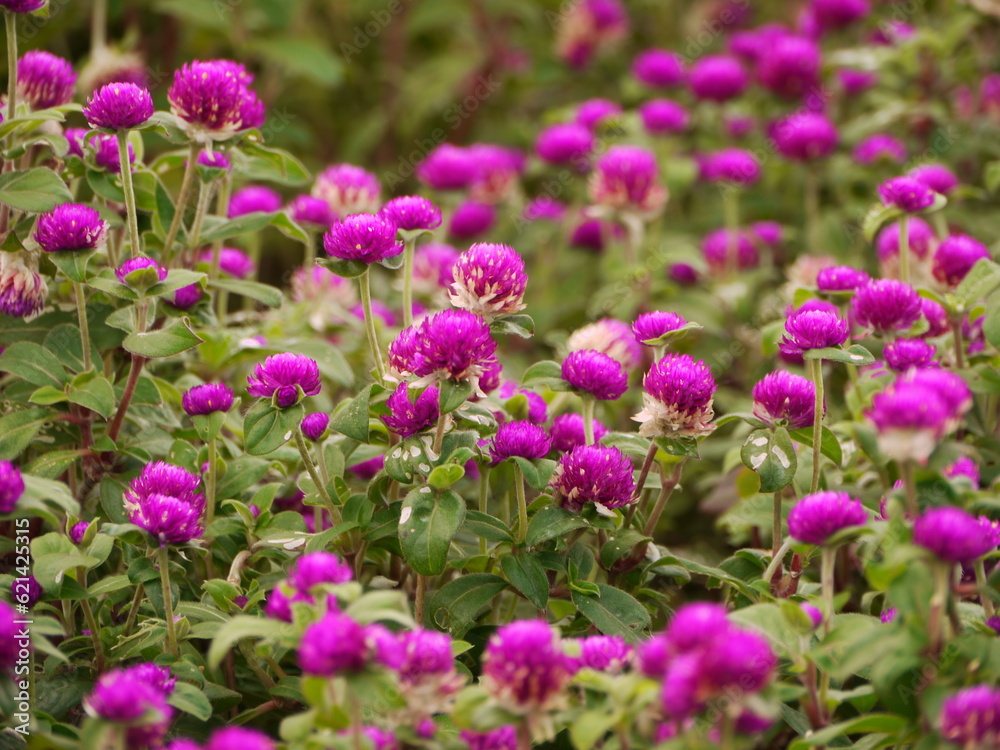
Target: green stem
point(906, 469)
point(816, 366)
point(439, 433)
point(776, 560)
point(309, 256)
point(984, 589)
point(828, 558)
point(221, 208)
point(731, 211)
point(640, 485)
point(182, 198)
point(776, 526)
point(11, 23)
point(129, 190)
point(81, 312)
point(904, 248)
point(959, 344)
point(522, 505)
point(484, 491)
point(939, 603)
point(420, 599)
point(88, 614)
point(201, 209)
point(133, 611)
point(667, 487)
point(366, 304)
point(98, 26)
point(210, 484)
point(300, 443)
point(408, 253)
point(812, 209)
point(168, 605)
point(588, 419)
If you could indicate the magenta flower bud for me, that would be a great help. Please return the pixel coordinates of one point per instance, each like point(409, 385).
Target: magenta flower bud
point(784, 398)
point(936, 316)
point(971, 717)
point(608, 336)
point(538, 410)
point(448, 167)
point(594, 473)
point(207, 399)
point(154, 675)
point(332, 646)
point(841, 279)
point(123, 697)
point(212, 98)
point(718, 78)
point(937, 177)
point(316, 569)
point(239, 738)
point(489, 280)
point(680, 690)
point(770, 233)
point(70, 227)
point(362, 237)
point(23, 291)
point(106, 155)
point(813, 329)
point(232, 261)
point(565, 143)
point(889, 615)
point(567, 432)
point(817, 517)
point(171, 520)
point(381, 739)
point(140, 263)
point(119, 106)
point(254, 199)
point(499, 169)
point(740, 660)
point(182, 744)
point(906, 193)
point(805, 136)
point(956, 256)
point(716, 249)
point(878, 148)
point(856, 82)
point(524, 667)
point(886, 305)
point(654, 656)
point(791, 67)
point(411, 212)
point(284, 375)
point(78, 531)
point(658, 68)
point(454, 345)
point(186, 297)
point(588, 27)
point(911, 418)
point(594, 113)
point(544, 208)
point(732, 166)
point(518, 439)
point(654, 325)
point(347, 190)
point(836, 14)
point(815, 615)
point(902, 354)
point(593, 235)
point(314, 425)
point(952, 535)
point(471, 219)
point(964, 467)
point(27, 592)
point(21, 6)
point(502, 738)
point(214, 160)
point(921, 239)
point(44, 80)
point(664, 117)
point(677, 398)
point(595, 374)
point(311, 211)
point(407, 417)
point(626, 178)
point(605, 653)
point(426, 654)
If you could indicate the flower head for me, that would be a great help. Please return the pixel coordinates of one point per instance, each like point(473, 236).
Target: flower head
point(910, 418)
point(791, 67)
point(677, 398)
point(524, 667)
point(565, 143)
point(920, 235)
point(596, 374)
point(171, 520)
point(347, 189)
point(886, 305)
point(316, 569)
point(841, 279)
point(664, 117)
point(654, 325)
point(937, 177)
point(880, 147)
point(314, 425)
point(239, 738)
point(608, 336)
point(719, 246)
point(499, 169)
point(855, 82)
point(588, 27)
point(567, 432)
point(408, 416)
point(70, 226)
point(956, 256)
point(519, 439)
point(452, 344)
point(214, 160)
point(805, 136)
point(21, 6)
point(784, 397)
point(964, 467)
point(836, 14)
point(733, 166)
point(425, 654)
point(79, 530)
point(213, 99)
point(605, 653)
point(333, 645)
point(718, 78)
point(364, 237)
point(502, 738)
point(285, 377)
point(140, 263)
point(232, 261)
point(971, 717)
point(22, 291)
point(186, 297)
point(906, 193)
point(44, 80)
point(815, 518)
point(902, 354)
point(742, 659)
point(254, 199)
point(538, 410)
point(626, 178)
point(489, 279)
point(411, 212)
point(311, 211)
point(813, 329)
point(545, 208)
point(124, 697)
point(207, 398)
point(106, 155)
point(471, 219)
point(594, 473)
point(658, 68)
point(448, 167)
point(953, 535)
point(119, 106)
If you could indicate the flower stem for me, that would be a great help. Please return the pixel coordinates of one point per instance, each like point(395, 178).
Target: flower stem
point(129, 190)
point(133, 610)
point(959, 344)
point(816, 366)
point(984, 589)
point(408, 252)
point(777, 559)
point(812, 209)
point(939, 603)
point(904, 248)
point(667, 487)
point(522, 505)
point(439, 432)
point(420, 599)
point(182, 197)
point(828, 558)
point(484, 493)
point(300, 443)
point(731, 211)
point(910, 487)
point(81, 312)
point(88, 613)
point(98, 25)
point(588, 419)
point(210, 484)
point(647, 463)
point(11, 23)
point(168, 605)
point(309, 255)
point(366, 304)
point(204, 196)
point(776, 526)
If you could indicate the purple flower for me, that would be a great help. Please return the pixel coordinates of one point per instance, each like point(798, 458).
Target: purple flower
point(232, 261)
point(732, 165)
point(654, 325)
point(902, 354)
point(836, 14)
point(489, 280)
point(906, 193)
point(154, 675)
point(123, 697)
point(425, 653)
point(406, 416)
point(106, 155)
point(815, 615)
point(594, 473)
point(677, 398)
point(314, 425)
point(565, 143)
point(791, 67)
point(608, 336)
point(207, 399)
point(316, 569)
point(813, 329)
point(815, 518)
point(605, 653)
point(499, 168)
point(518, 439)
point(718, 78)
point(448, 167)
point(119, 106)
point(411, 212)
point(214, 160)
point(452, 344)
point(347, 189)
point(27, 593)
point(363, 237)
point(936, 316)
point(254, 199)
point(23, 291)
point(212, 97)
point(596, 374)
point(544, 208)
point(910, 418)
point(664, 117)
point(886, 305)
point(44, 80)
point(593, 235)
point(856, 82)
point(841, 279)
point(78, 531)
point(587, 27)
point(186, 297)
point(804, 136)
point(593, 113)
point(964, 467)
point(952, 535)
point(718, 246)
point(502, 738)
point(471, 219)
point(956, 256)
point(921, 239)
point(524, 667)
point(333, 645)
point(782, 397)
point(140, 263)
point(311, 211)
point(769, 233)
point(626, 178)
point(741, 660)
point(70, 226)
point(739, 126)
point(21, 6)
point(567, 432)
point(680, 686)
point(971, 717)
point(658, 68)
point(880, 147)
point(171, 520)
point(889, 615)
point(937, 177)
point(286, 377)
point(239, 738)
point(538, 410)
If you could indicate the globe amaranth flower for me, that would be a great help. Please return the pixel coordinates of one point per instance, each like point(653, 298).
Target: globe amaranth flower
point(950, 387)
point(318, 568)
point(791, 67)
point(544, 208)
point(567, 432)
point(253, 199)
point(411, 212)
point(213, 99)
point(453, 345)
point(886, 305)
point(69, 227)
point(804, 136)
point(185, 297)
point(964, 467)
point(594, 473)
point(207, 399)
point(815, 615)
point(489, 279)
point(953, 535)
point(936, 317)
point(363, 237)
point(347, 189)
point(955, 257)
point(448, 167)
point(588, 27)
point(742, 659)
point(813, 329)
point(937, 177)
point(658, 68)
point(285, 377)
point(124, 697)
point(593, 235)
point(626, 178)
point(21, 6)
point(664, 117)
point(426, 655)
point(565, 143)
point(23, 291)
point(902, 354)
point(104, 147)
point(655, 325)
point(880, 147)
point(471, 219)
point(167, 518)
point(333, 645)
point(232, 261)
point(499, 169)
point(836, 14)
point(906, 193)
point(538, 410)
point(26, 591)
point(44, 80)
point(154, 675)
point(518, 439)
point(719, 246)
point(971, 717)
point(911, 418)
point(841, 279)
point(595, 374)
point(856, 82)
point(608, 336)
point(718, 78)
point(79, 530)
point(677, 398)
point(696, 625)
point(524, 667)
point(782, 397)
point(140, 263)
point(314, 425)
point(501, 738)
point(408, 416)
point(920, 235)
point(605, 653)
point(239, 738)
point(119, 106)
point(817, 517)
point(733, 166)
point(311, 211)
point(214, 160)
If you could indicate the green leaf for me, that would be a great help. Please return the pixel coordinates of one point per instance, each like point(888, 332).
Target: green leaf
point(267, 427)
point(95, 392)
point(488, 527)
point(621, 545)
point(72, 263)
point(547, 373)
point(33, 363)
point(685, 447)
point(33, 190)
point(669, 336)
point(515, 325)
point(427, 524)
point(176, 279)
point(218, 230)
point(982, 279)
point(443, 477)
point(166, 342)
point(352, 420)
point(271, 164)
point(301, 56)
point(456, 604)
point(855, 355)
point(771, 455)
point(875, 217)
point(829, 446)
point(865, 724)
point(49, 569)
point(209, 425)
point(590, 727)
point(528, 576)
point(240, 627)
point(453, 394)
point(18, 429)
point(189, 699)
point(266, 294)
point(613, 612)
point(551, 522)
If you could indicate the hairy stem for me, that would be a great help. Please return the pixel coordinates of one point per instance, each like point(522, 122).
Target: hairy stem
point(88, 613)
point(588, 419)
point(522, 505)
point(129, 191)
point(300, 443)
point(816, 367)
point(408, 253)
point(366, 304)
point(904, 248)
point(81, 313)
point(182, 198)
point(11, 22)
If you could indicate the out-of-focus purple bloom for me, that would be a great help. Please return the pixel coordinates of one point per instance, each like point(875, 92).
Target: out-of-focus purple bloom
point(886, 305)
point(44, 80)
point(408, 416)
point(214, 160)
point(817, 517)
point(239, 738)
point(815, 615)
point(502, 738)
point(232, 261)
point(664, 117)
point(23, 291)
point(411, 212)
point(791, 67)
point(254, 199)
point(333, 645)
point(123, 697)
point(677, 398)
point(782, 397)
point(448, 167)
point(471, 219)
point(971, 717)
point(587, 27)
point(186, 297)
point(347, 189)
point(21, 6)
point(906, 193)
point(544, 208)
point(902, 354)
point(956, 256)
point(524, 667)
point(880, 147)
point(433, 266)
point(595, 374)
point(311, 211)
point(742, 659)
point(106, 155)
point(537, 408)
point(285, 376)
point(498, 170)
point(316, 569)
point(920, 235)
point(567, 432)
point(594, 473)
point(362, 237)
point(626, 178)
point(856, 82)
point(718, 78)
point(565, 143)
point(658, 68)
point(731, 165)
point(593, 113)
point(841, 279)
point(937, 177)
point(952, 535)
point(964, 467)
point(718, 246)
point(804, 136)
point(70, 227)
point(605, 653)
point(119, 106)
point(608, 336)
